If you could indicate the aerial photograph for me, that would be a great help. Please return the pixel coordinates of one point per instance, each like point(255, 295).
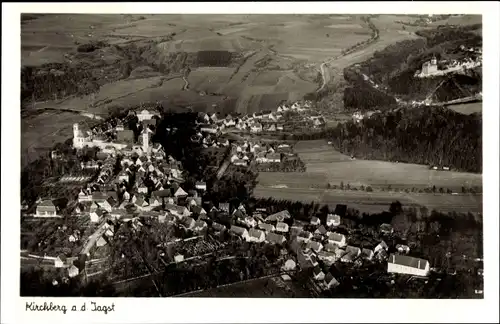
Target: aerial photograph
point(251, 155)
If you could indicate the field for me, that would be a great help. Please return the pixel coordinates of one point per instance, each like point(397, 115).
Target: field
point(263, 288)
point(468, 108)
point(325, 166)
point(374, 202)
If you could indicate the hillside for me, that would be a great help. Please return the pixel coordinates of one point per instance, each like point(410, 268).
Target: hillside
point(393, 69)
point(427, 135)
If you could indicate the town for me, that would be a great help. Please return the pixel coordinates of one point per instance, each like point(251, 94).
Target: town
point(128, 183)
point(330, 156)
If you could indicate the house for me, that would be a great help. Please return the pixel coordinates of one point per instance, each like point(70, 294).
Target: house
point(211, 129)
point(188, 222)
point(179, 211)
point(255, 235)
point(256, 128)
point(305, 260)
point(73, 271)
point(239, 231)
point(295, 230)
point(218, 227)
point(118, 213)
point(46, 208)
point(123, 176)
point(141, 188)
point(327, 257)
point(380, 247)
point(367, 254)
point(101, 241)
point(200, 225)
point(274, 238)
point(145, 114)
point(304, 236)
point(403, 248)
point(315, 221)
point(84, 196)
point(178, 258)
point(282, 227)
point(278, 217)
point(321, 230)
point(351, 254)
point(229, 121)
point(408, 265)
point(289, 265)
point(332, 220)
point(179, 193)
point(250, 221)
point(73, 238)
point(224, 207)
point(315, 246)
point(201, 185)
point(198, 210)
point(273, 157)
point(238, 214)
point(214, 117)
point(330, 247)
point(166, 218)
point(330, 281)
point(338, 239)
point(104, 204)
point(318, 273)
point(240, 162)
point(96, 215)
point(60, 261)
point(266, 227)
point(386, 229)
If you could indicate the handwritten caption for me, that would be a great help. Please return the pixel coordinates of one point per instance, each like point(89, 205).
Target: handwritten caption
point(53, 307)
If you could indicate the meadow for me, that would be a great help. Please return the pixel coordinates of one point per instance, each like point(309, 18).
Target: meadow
point(326, 166)
point(467, 108)
point(259, 288)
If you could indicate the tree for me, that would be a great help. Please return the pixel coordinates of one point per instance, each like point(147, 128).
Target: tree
point(396, 208)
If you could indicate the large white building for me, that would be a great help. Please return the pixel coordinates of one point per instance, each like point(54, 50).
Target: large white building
point(82, 136)
point(408, 265)
point(145, 114)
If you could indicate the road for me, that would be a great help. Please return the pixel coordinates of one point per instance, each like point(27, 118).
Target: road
point(348, 54)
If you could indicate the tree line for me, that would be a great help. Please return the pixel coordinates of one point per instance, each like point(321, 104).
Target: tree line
point(428, 135)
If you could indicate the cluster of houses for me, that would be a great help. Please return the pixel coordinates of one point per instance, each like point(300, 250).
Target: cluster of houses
point(264, 121)
point(150, 185)
point(358, 116)
point(260, 152)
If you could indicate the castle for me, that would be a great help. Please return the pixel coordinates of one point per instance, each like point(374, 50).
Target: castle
point(83, 136)
point(430, 67)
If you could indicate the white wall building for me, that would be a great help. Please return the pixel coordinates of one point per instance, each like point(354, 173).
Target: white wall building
point(408, 265)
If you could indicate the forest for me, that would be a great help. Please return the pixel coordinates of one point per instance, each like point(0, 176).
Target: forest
point(429, 135)
point(425, 135)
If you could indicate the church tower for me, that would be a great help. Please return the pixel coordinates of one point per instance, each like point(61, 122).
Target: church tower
point(77, 139)
point(145, 140)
